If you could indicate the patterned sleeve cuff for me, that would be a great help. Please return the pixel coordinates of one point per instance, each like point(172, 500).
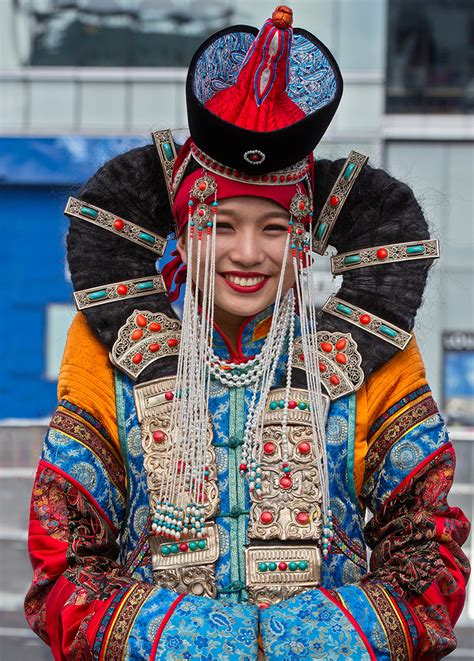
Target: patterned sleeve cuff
point(202, 628)
point(313, 625)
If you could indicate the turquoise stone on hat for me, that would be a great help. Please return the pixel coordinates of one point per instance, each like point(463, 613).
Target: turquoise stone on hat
point(165, 550)
point(303, 565)
point(320, 231)
point(148, 238)
point(344, 309)
point(388, 331)
point(349, 170)
point(97, 295)
point(143, 286)
point(168, 151)
point(87, 211)
point(262, 566)
point(352, 259)
point(415, 250)
point(293, 565)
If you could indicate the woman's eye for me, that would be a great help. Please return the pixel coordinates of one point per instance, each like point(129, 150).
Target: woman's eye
point(276, 228)
point(224, 226)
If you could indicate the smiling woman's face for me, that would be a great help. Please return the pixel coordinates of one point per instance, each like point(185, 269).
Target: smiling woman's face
point(251, 235)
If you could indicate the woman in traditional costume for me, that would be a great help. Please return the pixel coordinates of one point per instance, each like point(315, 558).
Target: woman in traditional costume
point(204, 485)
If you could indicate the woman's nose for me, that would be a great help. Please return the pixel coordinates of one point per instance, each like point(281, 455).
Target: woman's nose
point(247, 250)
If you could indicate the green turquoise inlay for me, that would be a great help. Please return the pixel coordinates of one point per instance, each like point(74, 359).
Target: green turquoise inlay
point(168, 151)
point(303, 565)
point(145, 285)
point(415, 250)
point(320, 231)
point(388, 331)
point(344, 309)
point(349, 170)
point(352, 259)
point(147, 237)
point(293, 566)
point(87, 211)
point(262, 566)
point(97, 295)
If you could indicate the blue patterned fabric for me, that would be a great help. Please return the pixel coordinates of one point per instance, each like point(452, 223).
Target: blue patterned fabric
point(347, 563)
point(204, 629)
point(312, 83)
point(82, 464)
point(147, 623)
point(404, 456)
point(309, 626)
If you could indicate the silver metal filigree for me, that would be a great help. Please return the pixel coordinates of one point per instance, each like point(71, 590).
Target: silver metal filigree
point(371, 323)
point(394, 252)
point(117, 225)
point(87, 298)
point(335, 200)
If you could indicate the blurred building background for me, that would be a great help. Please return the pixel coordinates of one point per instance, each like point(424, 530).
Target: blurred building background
point(83, 80)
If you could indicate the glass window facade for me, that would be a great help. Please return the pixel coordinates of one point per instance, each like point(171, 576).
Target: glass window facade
point(430, 56)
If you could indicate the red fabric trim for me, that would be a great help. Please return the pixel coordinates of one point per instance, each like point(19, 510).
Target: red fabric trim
point(418, 468)
point(83, 490)
point(163, 624)
point(352, 621)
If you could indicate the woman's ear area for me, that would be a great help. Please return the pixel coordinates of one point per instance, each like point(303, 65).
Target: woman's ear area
point(181, 248)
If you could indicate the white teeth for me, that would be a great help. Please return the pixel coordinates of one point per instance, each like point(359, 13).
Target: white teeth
point(245, 282)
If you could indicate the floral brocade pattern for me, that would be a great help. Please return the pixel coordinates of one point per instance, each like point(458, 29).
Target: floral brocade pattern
point(289, 628)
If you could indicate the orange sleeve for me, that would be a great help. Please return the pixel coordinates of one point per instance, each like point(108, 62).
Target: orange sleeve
point(86, 378)
point(399, 376)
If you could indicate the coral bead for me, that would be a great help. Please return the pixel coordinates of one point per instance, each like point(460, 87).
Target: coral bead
point(169, 396)
point(137, 334)
point(292, 404)
point(183, 547)
point(286, 482)
point(382, 253)
point(172, 342)
point(341, 344)
point(154, 347)
point(119, 224)
point(269, 448)
point(137, 359)
point(140, 320)
point(365, 319)
point(304, 448)
point(326, 347)
point(322, 367)
point(302, 518)
point(154, 327)
point(334, 200)
point(266, 517)
point(341, 358)
point(122, 290)
point(335, 380)
point(282, 566)
point(159, 436)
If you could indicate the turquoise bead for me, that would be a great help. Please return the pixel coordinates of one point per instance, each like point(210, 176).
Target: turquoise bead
point(344, 309)
point(193, 546)
point(262, 566)
point(87, 211)
point(287, 469)
point(165, 550)
point(302, 406)
point(388, 331)
point(320, 231)
point(415, 250)
point(168, 151)
point(273, 406)
point(352, 259)
point(97, 295)
point(272, 566)
point(174, 548)
point(303, 565)
point(293, 565)
point(202, 544)
point(349, 170)
point(281, 403)
point(142, 286)
point(148, 238)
